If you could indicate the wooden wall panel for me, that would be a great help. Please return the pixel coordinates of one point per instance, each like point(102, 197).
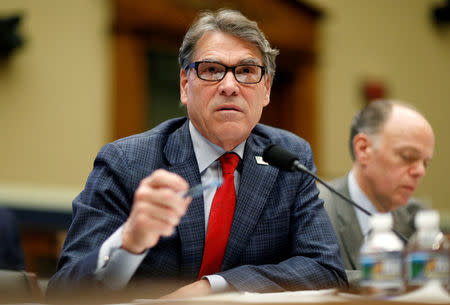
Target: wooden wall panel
point(130, 86)
point(289, 25)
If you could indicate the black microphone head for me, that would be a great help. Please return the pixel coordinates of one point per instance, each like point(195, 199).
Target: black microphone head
point(279, 157)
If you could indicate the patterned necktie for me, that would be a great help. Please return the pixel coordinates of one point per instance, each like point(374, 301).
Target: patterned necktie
point(220, 218)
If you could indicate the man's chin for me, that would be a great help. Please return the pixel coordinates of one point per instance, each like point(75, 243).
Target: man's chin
point(229, 138)
point(234, 131)
point(399, 203)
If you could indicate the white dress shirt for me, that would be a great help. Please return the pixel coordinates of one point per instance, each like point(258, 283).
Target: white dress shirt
point(116, 266)
point(358, 196)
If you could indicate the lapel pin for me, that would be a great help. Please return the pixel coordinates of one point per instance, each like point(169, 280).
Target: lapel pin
point(260, 160)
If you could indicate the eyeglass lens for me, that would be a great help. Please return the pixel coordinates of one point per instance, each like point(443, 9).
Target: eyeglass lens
point(211, 71)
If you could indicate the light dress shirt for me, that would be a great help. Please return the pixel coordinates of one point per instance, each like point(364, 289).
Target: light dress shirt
point(116, 266)
point(358, 196)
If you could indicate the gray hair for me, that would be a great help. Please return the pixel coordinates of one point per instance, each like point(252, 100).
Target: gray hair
point(371, 119)
point(231, 22)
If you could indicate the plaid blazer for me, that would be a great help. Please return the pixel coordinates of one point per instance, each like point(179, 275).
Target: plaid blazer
point(281, 237)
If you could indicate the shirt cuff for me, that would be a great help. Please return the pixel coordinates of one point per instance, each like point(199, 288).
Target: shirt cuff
point(116, 266)
point(218, 283)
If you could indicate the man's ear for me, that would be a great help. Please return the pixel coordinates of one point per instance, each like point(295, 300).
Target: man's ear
point(268, 86)
point(362, 147)
point(183, 86)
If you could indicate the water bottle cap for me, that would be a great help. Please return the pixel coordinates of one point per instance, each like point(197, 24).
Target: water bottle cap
point(427, 218)
point(381, 221)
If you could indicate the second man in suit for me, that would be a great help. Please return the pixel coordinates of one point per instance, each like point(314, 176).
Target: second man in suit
point(391, 145)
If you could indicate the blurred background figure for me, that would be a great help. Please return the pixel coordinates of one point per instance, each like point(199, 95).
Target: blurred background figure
point(11, 253)
point(391, 145)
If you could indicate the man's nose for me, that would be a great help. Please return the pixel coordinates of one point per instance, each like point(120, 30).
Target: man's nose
point(418, 169)
point(228, 86)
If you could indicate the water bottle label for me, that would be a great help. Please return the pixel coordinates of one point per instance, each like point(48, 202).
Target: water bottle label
point(381, 270)
point(424, 266)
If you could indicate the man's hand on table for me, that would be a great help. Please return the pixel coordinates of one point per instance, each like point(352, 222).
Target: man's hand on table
point(196, 289)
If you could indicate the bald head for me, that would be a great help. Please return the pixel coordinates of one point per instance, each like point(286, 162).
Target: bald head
point(408, 124)
point(372, 118)
point(392, 147)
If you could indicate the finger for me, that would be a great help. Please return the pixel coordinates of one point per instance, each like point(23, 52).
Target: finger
point(162, 178)
point(161, 228)
point(163, 197)
point(158, 212)
point(142, 225)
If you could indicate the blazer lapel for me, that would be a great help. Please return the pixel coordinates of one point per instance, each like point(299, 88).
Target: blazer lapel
point(403, 222)
point(349, 229)
point(192, 226)
point(254, 187)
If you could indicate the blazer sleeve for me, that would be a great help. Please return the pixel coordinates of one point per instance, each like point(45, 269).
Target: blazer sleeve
point(314, 261)
point(98, 211)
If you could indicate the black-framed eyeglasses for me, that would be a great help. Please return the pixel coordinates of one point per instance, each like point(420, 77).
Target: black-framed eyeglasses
point(214, 72)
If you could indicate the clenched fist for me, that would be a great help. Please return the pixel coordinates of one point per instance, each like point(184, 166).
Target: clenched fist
point(156, 211)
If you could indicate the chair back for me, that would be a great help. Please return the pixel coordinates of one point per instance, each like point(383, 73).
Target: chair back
point(19, 287)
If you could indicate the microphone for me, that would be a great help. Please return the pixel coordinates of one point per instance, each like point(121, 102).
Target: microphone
point(279, 157)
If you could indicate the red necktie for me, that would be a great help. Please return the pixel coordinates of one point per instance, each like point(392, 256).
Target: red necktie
point(220, 218)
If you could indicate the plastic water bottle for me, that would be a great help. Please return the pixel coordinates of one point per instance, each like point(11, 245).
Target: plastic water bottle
point(427, 252)
point(381, 259)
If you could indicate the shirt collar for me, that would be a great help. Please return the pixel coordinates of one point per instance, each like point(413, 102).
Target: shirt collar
point(361, 199)
point(207, 152)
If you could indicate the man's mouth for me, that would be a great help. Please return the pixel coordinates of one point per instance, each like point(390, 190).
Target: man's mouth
point(409, 188)
point(228, 108)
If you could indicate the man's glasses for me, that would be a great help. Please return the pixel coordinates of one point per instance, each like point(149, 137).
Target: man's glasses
point(214, 72)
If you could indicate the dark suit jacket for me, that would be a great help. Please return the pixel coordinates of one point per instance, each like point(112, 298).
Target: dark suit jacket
point(346, 225)
point(11, 253)
point(281, 237)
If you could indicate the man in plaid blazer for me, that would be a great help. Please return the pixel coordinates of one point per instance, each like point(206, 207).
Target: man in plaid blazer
point(130, 222)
